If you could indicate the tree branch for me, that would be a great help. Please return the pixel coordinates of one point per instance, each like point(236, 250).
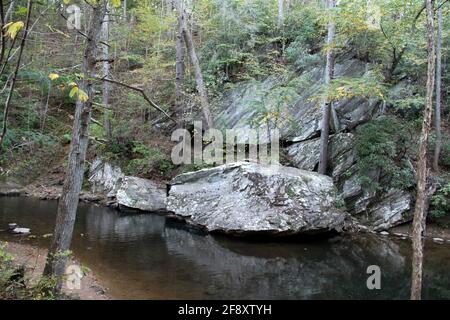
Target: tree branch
point(141, 91)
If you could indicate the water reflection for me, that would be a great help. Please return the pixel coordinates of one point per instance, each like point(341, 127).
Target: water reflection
point(147, 256)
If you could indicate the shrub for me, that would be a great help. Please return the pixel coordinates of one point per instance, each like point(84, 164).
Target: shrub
point(440, 202)
point(382, 148)
point(148, 160)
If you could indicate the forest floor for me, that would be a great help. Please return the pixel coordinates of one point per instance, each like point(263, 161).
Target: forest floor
point(33, 258)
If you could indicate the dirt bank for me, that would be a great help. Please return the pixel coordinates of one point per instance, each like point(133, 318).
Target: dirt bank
point(33, 258)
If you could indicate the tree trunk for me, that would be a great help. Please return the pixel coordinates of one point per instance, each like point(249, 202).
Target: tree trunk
point(8, 15)
point(105, 70)
point(327, 105)
point(280, 13)
point(179, 72)
point(14, 77)
point(68, 203)
point(438, 146)
point(204, 102)
point(420, 208)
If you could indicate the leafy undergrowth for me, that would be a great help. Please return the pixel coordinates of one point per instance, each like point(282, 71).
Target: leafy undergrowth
point(15, 286)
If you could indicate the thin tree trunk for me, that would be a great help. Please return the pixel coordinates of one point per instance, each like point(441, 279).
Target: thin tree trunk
point(105, 70)
point(438, 146)
point(125, 10)
point(280, 13)
point(420, 208)
point(8, 15)
point(68, 203)
point(179, 72)
point(204, 102)
point(2, 35)
point(327, 105)
point(13, 80)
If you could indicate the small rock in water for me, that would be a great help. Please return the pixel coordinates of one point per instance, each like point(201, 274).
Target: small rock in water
point(21, 230)
point(12, 226)
point(438, 240)
point(384, 233)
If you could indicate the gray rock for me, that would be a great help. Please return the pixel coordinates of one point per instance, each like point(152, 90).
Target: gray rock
point(12, 226)
point(142, 194)
point(379, 210)
point(21, 230)
point(236, 109)
point(384, 233)
point(105, 178)
point(438, 240)
point(304, 154)
point(391, 210)
point(247, 197)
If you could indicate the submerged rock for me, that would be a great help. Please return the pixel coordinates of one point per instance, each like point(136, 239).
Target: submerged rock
point(142, 194)
point(252, 198)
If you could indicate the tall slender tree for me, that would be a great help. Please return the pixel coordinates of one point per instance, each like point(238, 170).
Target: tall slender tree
point(179, 70)
point(422, 167)
point(105, 71)
point(327, 104)
point(437, 119)
point(68, 203)
point(188, 40)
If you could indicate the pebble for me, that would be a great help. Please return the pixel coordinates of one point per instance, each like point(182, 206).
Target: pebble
point(438, 240)
point(384, 233)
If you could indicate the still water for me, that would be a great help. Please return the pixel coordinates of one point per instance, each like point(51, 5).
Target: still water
point(146, 256)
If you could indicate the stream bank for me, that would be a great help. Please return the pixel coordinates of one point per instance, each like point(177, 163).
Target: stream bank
point(32, 258)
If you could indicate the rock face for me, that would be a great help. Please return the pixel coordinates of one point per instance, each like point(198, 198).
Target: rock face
point(236, 108)
point(141, 194)
point(251, 198)
point(378, 210)
point(130, 192)
point(105, 178)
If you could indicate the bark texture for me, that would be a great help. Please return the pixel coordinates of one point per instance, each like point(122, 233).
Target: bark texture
point(327, 105)
point(422, 168)
point(437, 119)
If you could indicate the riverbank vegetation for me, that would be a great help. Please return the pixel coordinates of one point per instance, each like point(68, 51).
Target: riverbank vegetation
point(135, 70)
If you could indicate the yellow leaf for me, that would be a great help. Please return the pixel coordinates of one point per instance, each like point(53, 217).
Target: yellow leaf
point(73, 92)
point(116, 3)
point(53, 76)
point(13, 28)
point(72, 84)
point(82, 96)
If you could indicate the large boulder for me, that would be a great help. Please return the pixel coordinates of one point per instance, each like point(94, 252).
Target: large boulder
point(379, 210)
point(141, 194)
point(105, 178)
point(251, 198)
